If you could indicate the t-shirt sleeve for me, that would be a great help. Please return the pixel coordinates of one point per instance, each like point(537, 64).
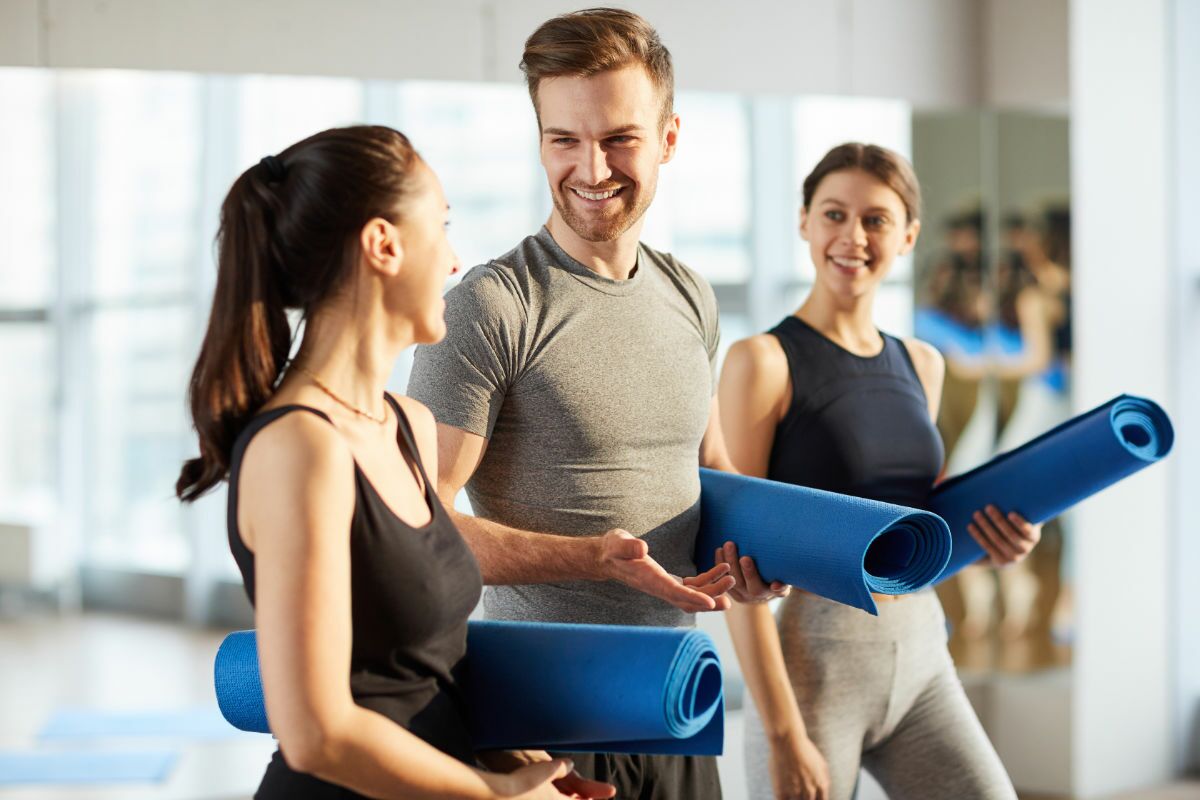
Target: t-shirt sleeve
point(464, 378)
point(710, 321)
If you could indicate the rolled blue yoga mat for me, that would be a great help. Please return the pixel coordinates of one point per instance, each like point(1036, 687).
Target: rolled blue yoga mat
point(834, 545)
point(1049, 474)
point(580, 688)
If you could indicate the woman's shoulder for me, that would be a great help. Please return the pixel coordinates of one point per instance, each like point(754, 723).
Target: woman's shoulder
point(757, 364)
point(298, 440)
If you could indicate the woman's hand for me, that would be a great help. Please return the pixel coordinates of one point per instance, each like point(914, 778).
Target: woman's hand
point(748, 584)
point(798, 770)
point(1007, 539)
point(571, 785)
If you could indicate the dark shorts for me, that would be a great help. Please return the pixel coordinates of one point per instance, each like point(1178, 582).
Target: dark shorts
point(639, 777)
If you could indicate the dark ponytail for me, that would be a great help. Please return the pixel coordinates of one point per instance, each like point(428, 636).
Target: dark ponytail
point(288, 239)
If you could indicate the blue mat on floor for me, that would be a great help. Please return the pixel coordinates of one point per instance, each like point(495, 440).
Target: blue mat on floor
point(834, 545)
point(1049, 474)
point(197, 723)
point(93, 766)
point(581, 688)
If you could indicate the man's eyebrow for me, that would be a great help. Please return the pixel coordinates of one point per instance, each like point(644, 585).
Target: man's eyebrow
point(614, 132)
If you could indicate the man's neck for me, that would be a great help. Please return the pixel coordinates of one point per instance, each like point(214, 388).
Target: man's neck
point(615, 259)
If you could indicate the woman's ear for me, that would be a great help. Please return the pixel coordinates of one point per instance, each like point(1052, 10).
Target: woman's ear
point(381, 246)
point(804, 223)
point(910, 237)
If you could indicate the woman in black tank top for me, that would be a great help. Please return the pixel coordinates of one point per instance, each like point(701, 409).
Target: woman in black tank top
point(826, 400)
point(361, 584)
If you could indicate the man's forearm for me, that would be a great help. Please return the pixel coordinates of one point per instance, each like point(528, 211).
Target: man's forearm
point(508, 555)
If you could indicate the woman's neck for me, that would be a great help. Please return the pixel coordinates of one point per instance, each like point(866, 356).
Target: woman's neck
point(352, 355)
point(848, 322)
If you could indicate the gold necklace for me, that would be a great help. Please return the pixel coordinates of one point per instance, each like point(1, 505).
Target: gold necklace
point(321, 385)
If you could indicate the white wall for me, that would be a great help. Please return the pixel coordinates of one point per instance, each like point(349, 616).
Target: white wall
point(1025, 54)
point(1186, 56)
point(925, 51)
point(1121, 175)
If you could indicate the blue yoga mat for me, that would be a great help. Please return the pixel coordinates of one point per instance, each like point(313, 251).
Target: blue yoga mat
point(834, 545)
point(195, 723)
point(581, 688)
point(93, 766)
point(1047, 475)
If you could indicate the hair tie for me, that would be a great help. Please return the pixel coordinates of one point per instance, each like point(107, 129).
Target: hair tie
point(274, 168)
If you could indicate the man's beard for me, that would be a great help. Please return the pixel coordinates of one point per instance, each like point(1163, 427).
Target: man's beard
point(604, 229)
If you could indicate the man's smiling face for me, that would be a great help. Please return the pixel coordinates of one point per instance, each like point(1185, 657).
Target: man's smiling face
point(602, 144)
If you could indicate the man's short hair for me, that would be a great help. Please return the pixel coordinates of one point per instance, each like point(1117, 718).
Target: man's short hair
point(594, 40)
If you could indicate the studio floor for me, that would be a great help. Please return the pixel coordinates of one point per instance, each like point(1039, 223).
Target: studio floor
point(117, 663)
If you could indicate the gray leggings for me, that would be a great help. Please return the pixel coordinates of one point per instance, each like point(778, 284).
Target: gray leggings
point(880, 693)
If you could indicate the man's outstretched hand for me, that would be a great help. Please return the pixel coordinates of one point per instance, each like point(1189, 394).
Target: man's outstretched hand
point(626, 558)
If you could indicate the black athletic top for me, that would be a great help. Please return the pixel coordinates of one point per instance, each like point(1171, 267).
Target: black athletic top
point(855, 425)
point(411, 592)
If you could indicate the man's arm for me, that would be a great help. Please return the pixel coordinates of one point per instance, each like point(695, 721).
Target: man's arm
point(508, 555)
point(749, 587)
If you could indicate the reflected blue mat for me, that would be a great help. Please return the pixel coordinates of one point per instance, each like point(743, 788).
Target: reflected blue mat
point(581, 688)
point(834, 545)
point(1049, 474)
point(198, 723)
point(149, 766)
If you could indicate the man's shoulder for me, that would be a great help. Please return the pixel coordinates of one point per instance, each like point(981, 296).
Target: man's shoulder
point(689, 281)
point(512, 277)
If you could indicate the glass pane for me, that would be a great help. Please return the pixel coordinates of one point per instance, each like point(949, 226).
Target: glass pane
point(701, 212)
point(482, 142)
point(27, 417)
point(277, 111)
point(145, 169)
point(822, 123)
point(27, 193)
point(138, 436)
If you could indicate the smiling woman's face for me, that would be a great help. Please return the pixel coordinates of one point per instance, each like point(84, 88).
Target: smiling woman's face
point(855, 227)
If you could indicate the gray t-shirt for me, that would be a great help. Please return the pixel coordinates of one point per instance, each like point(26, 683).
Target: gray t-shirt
point(594, 395)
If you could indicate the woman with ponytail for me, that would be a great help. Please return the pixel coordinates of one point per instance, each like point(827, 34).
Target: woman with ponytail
point(361, 584)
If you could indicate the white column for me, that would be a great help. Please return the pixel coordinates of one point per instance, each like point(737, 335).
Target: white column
point(1186, 209)
point(1122, 175)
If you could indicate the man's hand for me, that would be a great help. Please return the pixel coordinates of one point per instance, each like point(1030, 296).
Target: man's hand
point(748, 585)
point(1006, 539)
point(625, 558)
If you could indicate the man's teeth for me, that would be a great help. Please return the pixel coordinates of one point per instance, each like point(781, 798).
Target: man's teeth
point(850, 263)
point(595, 195)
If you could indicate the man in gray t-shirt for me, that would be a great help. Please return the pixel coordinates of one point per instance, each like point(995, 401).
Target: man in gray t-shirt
point(593, 395)
point(574, 388)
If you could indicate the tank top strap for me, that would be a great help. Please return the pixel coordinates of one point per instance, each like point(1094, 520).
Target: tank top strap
point(904, 357)
point(406, 438)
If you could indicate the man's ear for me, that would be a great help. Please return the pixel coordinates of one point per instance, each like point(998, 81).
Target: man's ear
point(381, 246)
point(670, 138)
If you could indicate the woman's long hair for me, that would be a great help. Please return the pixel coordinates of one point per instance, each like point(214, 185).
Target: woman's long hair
point(288, 239)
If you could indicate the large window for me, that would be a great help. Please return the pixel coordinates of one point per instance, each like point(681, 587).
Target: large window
point(112, 182)
point(28, 284)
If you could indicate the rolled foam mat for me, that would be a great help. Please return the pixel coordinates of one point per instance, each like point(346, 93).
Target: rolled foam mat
point(1049, 474)
point(834, 545)
point(581, 688)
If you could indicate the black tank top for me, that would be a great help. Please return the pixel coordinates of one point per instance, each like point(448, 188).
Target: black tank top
point(855, 425)
point(411, 590)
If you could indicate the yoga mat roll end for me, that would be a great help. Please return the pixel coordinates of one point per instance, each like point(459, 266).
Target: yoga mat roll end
point(238, 683)
point(1142, 427)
